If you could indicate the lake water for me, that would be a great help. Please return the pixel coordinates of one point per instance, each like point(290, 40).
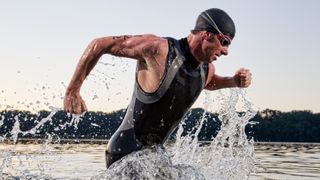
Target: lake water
point(83, 161)
point(230, 155)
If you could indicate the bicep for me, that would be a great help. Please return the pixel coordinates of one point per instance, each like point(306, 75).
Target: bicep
point(216, 82)
point(133, 47)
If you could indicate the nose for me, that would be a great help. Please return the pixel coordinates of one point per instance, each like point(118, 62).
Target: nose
point(224, 51)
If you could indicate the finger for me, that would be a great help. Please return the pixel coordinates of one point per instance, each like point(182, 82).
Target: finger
point(73, 107)
point(247, 78)
point(243, 84)
point(78, 109)
point(64, 108)
point(245, 72)
point(239, 71)
point(70, 109)
point(68, 106)
point(248, 83)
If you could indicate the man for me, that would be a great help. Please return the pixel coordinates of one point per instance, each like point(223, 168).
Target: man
point(170, 76)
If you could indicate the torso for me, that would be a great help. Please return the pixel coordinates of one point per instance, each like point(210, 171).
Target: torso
point(151, 71)
point(165, 89)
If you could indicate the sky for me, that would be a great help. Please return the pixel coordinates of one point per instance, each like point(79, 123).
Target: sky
point(41, 43)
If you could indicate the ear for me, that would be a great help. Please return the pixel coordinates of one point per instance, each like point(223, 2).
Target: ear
point(205, 35)
point(209, 36)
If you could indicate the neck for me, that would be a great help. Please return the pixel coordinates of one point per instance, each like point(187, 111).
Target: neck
point(184, 45)
point(195, 47)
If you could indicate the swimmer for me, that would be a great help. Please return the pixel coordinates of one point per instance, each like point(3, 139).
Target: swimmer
point(170, 76)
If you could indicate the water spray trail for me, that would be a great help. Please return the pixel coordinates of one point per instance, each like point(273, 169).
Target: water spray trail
point(230, 155)
point(234, 151)
point(41, 123)
point(74, 120)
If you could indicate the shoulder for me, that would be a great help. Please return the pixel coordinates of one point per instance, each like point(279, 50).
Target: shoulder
point(153, 45)
point(154, 41)
point(145, 39)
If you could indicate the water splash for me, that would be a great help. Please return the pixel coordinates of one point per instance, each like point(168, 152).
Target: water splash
point(44, 100)
point(75, 119)
point(16, 127)
point(230, 155)
point(6, 161)
point(149, 163)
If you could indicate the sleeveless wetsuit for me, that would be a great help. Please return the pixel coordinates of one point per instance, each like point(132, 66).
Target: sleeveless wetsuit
point(151, 117)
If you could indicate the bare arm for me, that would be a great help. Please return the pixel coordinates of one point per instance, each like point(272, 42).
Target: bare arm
point(218, 82)
point(122, 46)
point(242, 78)
point(135, 47)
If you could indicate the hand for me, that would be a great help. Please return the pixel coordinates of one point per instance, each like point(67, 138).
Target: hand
point(73, 103)
point(242, 78)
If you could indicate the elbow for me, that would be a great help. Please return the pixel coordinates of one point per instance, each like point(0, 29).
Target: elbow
point(96, 45)
point(101, 45)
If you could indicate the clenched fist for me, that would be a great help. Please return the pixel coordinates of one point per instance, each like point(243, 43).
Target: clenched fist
point(243, 78)
point(73, 103)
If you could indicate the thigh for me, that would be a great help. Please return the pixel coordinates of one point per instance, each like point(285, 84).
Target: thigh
point(111, 158)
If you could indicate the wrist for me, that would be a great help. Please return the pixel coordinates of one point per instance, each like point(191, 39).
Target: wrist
point(72, 90)
point(235, 81)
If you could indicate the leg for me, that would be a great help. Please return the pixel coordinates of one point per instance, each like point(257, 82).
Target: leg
point(111, 158)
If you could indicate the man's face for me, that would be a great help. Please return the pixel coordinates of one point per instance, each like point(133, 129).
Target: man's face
point(215, 45)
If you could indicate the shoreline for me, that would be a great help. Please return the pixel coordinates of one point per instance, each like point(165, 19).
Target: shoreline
point(105, 141)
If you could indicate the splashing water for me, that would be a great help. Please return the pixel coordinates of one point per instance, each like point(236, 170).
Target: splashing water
point(229, 156)
point(75, 119)
point(149, 163)
point(9, 158)
point(44, 100)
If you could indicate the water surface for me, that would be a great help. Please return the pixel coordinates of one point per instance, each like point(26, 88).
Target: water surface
point(85, 161)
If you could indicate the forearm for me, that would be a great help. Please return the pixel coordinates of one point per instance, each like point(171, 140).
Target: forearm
point(219, 82)
point(86, 63)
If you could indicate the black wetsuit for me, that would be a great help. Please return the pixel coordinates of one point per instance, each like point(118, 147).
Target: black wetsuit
point(151, 117)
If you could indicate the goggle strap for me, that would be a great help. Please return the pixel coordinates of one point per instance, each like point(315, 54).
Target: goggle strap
point(211, 21)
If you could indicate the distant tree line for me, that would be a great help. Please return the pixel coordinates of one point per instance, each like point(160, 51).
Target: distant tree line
point(277, 126)
point(267, 126)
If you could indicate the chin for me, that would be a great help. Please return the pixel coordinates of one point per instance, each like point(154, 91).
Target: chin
point(210, 60)
point(213, 59)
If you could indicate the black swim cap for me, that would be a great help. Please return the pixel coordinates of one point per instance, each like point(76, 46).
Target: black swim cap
point(222, 20)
